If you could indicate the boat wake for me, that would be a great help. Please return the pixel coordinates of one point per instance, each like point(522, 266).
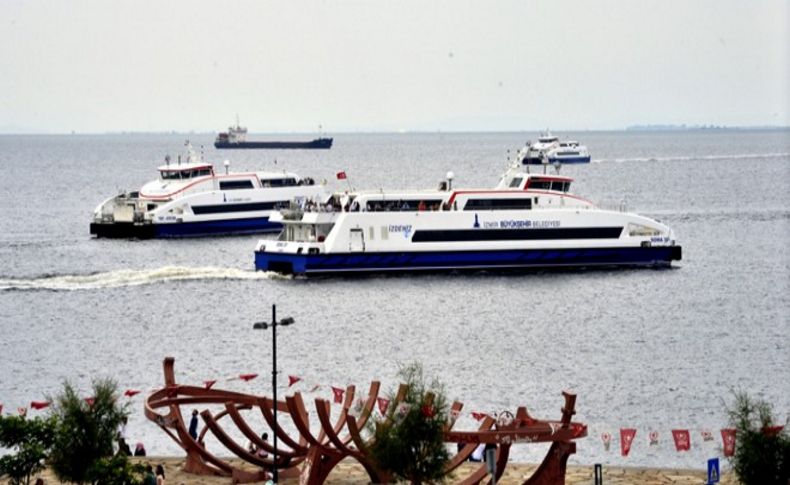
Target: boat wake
point(740, 156)
point(130, 277)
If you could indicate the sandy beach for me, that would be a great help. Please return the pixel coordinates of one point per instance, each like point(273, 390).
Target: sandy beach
point(348, 472)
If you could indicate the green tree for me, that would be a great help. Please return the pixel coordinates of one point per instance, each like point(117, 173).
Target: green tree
point(86, 432)
point(762, 454)
point(30, 441)
point(409, 441)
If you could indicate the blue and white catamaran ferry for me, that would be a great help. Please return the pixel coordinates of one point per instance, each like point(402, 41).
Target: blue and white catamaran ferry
point(190, 199)
point(528, 221)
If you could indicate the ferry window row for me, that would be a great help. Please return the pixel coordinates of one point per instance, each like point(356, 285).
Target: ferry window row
point(498, 204)
point(184, 174)
point(283, 182)
point(235, 184)
point(549, 185)
point(403, 205)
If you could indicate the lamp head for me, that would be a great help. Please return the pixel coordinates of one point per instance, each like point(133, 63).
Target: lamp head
point(286, 321)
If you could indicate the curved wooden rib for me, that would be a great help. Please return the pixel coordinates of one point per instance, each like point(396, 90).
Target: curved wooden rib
point(341, 420)
point(298, 414)
point(251, 435)
point(265, 405)
point(469, 448)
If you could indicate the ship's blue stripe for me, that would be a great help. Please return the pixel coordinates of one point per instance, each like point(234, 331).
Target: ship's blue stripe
point(318, 263)
point(219, 227)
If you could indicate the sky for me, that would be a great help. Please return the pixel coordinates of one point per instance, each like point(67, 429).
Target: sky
point(394, 65)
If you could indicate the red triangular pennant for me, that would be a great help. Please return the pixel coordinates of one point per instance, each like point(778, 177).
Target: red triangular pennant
point(90, 401)
point(728, 437)
point(22, 411)
point(293, 380)
point(39, 404)
point(208, 384)
point(772, 430)
point(338, 392)
point(247, 377)
point(682, 439)
point(131, 393)
point(428, 411)
point(478, 416)
point(383, 404)
point(626, 438)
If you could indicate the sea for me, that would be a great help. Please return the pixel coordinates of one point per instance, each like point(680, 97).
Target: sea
point(653, 350)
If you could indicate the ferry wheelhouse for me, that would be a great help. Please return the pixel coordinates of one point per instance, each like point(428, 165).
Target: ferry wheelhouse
point(190, 199)
point(528, 221)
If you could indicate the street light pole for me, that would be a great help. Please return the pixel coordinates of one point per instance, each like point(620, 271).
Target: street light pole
point(274, 324)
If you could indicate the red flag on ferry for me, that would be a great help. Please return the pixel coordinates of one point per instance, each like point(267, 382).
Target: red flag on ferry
point(131, 393)
point(626, 438)
point(293, 380)
point(338, 392)
point(383, 404)
point(341, 175)
point(247, 377)
point(90, 401)
point(478, 416)
point(22, 411)
point(208, 384)
point(728, 437)
point(39, 404)
point(682, 439)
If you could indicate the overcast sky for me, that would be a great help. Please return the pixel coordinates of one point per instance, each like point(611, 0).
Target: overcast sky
point(110, 65)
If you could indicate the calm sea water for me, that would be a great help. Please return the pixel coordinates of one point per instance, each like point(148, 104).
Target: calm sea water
point(650, 349)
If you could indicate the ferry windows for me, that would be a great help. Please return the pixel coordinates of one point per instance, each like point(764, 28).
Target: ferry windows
point(282, 182)
point(235, 184)
point(640, 230)
point(540, 184)
point(516, 182)
point(498, 204)
point(385, 233)
point(560, 186)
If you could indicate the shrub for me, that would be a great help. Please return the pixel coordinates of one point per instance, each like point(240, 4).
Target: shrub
point(409, 441)
point(762, 454)
point(30, 440)
point(86, 432)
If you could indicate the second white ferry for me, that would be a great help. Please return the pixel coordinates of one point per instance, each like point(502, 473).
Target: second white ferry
point(190, 199)
point(527, 221)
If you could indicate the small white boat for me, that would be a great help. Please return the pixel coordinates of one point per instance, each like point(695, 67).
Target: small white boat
point(550, 150)
point(528, 221)
point(190, 199)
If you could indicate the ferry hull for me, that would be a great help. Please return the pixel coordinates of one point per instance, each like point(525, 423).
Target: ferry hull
point(228, 227)
point(318, 143)
point(525, 259)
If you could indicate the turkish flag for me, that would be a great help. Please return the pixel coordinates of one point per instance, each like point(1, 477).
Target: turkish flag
point(90, 401)
point(682, 439)
point(626, 438)
point(247, 377)
point(338, 392)
point(209, 384)
point(131, 393)
point(383, 404)
point(341, 175)
point(728, 437)
point(39, 404)
point(293, 380)
point(428, 411)
point(478, 416)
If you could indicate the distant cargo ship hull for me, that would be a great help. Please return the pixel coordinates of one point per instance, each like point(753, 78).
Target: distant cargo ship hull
point(318, 143)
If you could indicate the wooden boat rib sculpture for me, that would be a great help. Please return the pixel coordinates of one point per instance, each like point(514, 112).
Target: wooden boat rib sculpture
point(311, 458)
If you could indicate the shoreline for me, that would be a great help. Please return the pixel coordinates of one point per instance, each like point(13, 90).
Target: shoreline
point(349, 472)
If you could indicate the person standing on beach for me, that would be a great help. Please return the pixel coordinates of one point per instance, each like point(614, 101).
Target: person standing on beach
point(160, 475)
point(149, 478)
point(193, 425)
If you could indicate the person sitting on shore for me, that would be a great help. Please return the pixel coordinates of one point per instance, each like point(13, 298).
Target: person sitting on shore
point(160, 475)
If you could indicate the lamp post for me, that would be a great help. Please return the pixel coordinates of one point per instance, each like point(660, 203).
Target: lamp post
point(265, 325)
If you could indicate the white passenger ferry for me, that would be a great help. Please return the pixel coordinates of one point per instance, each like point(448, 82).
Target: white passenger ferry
point(190, 199)
point(549, 149)
point(527, 221)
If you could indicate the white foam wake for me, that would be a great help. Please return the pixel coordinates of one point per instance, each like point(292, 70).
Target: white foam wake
point(738, 156)
point(130, 277)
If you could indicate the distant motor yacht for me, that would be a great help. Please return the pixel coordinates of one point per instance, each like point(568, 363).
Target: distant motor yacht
point(550, 150)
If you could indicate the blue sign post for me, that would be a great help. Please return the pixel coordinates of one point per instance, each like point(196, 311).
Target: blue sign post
point(713, 471)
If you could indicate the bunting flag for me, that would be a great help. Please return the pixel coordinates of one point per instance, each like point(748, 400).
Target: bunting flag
point(403, 409)
point(90, 401)
point(22, 411)
point(607, 440)
point(131, 393)
point(208, 384)
point(682, 439)
point(247, 377)
point(341, 175)
point(653, 438)
point(478, 416)
point(706, 435)
point(626, 438)
point(383, 405)
point(728, 437)
point(39, 404)
point(293, 380)
point(428, 411)
point(772, 430)
point(338, 392)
